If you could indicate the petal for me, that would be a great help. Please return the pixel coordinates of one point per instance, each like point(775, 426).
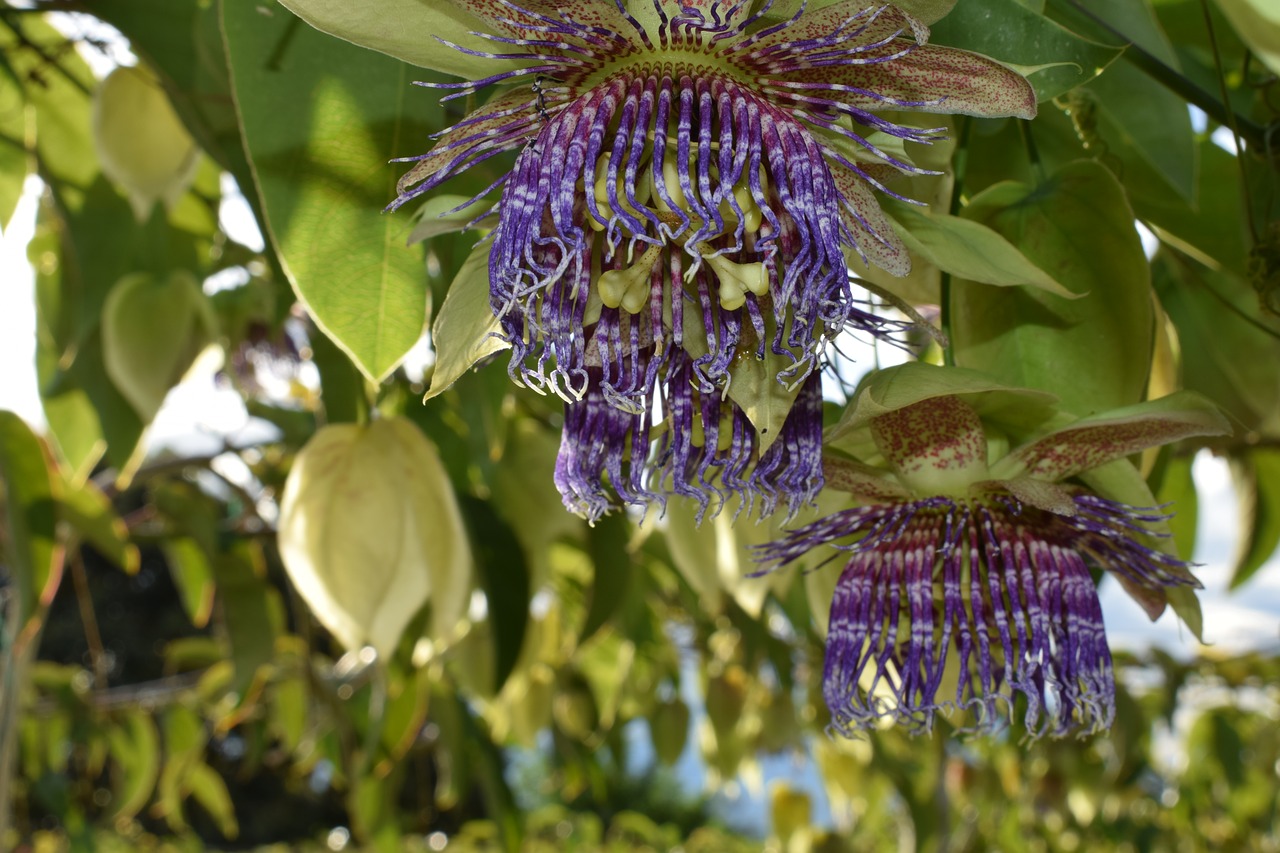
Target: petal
point(859, 21)
point(1037, 493)
point(931, 79)
point(937, 446)
point(486, 129)
point(1095, 441)
point(524, 18)
point(907, 384)
point(877, 240)
point(862, 481)
point(403, 29)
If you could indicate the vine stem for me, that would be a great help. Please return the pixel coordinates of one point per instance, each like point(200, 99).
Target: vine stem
point(1218, 110)
point(959, 164)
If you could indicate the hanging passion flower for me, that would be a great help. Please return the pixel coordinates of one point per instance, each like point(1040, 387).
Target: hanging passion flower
point(690, 177)
point(977, 576)
point(700, 149)
point(705, 449)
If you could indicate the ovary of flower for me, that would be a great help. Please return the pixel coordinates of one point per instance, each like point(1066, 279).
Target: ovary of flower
point(743, 202)
point(629, 287)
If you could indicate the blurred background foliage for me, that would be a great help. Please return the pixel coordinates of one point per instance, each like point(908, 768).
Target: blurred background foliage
point(618, 687)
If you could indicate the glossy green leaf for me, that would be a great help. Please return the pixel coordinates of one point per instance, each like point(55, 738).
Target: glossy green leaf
point(32, 550)
point(1077, 226)
point(465, 330)
point(1138, 112)
point(321, 119)
point(1024, 38)
point(1256, 474)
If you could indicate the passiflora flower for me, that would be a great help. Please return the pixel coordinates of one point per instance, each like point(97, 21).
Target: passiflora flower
point(689, 177)
point(967, 584)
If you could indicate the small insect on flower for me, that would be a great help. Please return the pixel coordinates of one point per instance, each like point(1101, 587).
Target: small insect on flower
point(690, 177)
point(977, 575)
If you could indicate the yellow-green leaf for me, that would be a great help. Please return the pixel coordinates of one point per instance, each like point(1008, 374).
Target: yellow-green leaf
point(152, 331)
point(321, 119)
point(465, 329)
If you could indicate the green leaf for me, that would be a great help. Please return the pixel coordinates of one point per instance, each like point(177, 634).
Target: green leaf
point(1094, 352)
point(210, 791)
point(504, 576)
point(193, 576)
point(1215, 225)
point(251, 627)
point(88, 511)
point(1024, 38)
point(525, 495)
point(321, 119)
point(14, 161)
point(465, 330)
point(32, 550)
point(1229, 353)
point(607, 543)
point(135, 746)
point(1175, 488)
point(1256, 473)
point(967, 249)
point(63, 142)
point(405, 29)
point(437, 216)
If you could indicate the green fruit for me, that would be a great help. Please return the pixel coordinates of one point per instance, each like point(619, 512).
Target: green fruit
point(152, 331)
point(143, 145)
point(370, 530)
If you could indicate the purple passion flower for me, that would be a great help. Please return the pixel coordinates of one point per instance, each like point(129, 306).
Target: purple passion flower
point(690, 170)
point(967, 587)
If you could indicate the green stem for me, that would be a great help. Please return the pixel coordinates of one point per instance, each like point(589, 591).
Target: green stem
point(959, 164)
point(1232, 121)
point(1218, 110)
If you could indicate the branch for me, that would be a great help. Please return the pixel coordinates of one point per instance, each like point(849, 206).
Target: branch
point(1254, 134)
